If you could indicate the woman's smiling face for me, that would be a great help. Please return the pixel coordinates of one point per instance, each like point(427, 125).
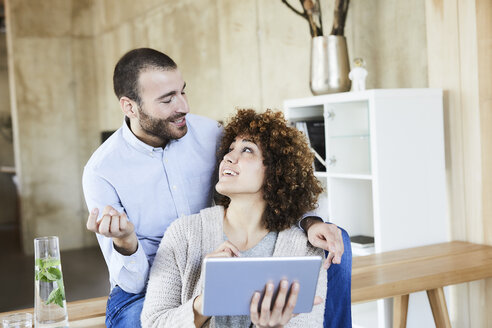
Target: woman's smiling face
point(241, 171)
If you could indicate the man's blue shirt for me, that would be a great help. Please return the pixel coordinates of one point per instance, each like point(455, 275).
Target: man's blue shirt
point(154, 186)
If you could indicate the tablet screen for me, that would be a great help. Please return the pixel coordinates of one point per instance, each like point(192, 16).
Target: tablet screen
point(231, 282)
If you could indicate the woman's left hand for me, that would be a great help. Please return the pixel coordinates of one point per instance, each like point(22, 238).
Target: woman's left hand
point(226, 249)
point(282, 309)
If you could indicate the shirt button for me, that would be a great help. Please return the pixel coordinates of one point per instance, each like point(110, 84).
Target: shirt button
point(174, 186)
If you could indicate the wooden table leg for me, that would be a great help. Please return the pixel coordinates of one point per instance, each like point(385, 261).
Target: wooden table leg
point(439, 309)
point(400, 310)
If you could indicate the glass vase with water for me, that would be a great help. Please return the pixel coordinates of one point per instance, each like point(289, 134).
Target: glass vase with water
point(50, 307)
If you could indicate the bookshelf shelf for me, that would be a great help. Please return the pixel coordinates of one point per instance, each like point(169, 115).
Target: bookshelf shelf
point(349, 176)
point(326, 175)
point(385, 173)
point(360, 136)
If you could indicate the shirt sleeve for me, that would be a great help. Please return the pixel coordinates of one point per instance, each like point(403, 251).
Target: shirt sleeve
point(308, 214)
point(128, 272)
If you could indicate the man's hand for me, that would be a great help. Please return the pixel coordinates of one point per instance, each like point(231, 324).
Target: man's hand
point(328, 237)
point(117, 226)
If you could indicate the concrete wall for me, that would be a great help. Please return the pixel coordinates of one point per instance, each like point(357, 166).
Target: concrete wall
point(8, 202)
point(47, 133)
point(254, 53)
point(248, 53)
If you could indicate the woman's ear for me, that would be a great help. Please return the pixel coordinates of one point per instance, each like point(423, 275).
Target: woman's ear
point(128, 107)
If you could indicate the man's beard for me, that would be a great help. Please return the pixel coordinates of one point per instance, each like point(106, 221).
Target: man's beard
point(161, 128)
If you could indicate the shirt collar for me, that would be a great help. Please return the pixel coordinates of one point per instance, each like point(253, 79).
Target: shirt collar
point(134, 141)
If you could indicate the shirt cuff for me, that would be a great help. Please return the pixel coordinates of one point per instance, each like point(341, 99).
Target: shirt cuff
point(131, 270)
point(308, 214)
point(135, 261)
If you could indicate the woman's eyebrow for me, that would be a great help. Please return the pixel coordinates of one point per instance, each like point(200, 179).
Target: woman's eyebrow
point(248, 140)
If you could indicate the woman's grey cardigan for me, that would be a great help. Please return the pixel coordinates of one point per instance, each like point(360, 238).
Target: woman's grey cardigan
point(175, 278)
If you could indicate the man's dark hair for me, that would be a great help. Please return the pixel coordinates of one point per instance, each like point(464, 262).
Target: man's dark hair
point(129, 67)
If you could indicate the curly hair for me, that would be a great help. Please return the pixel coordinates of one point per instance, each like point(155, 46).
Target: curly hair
point(290, 188)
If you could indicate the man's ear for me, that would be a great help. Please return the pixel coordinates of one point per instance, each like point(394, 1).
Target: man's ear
point(128, 107)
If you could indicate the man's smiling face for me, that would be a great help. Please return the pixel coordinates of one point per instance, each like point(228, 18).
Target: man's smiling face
point(163, 104)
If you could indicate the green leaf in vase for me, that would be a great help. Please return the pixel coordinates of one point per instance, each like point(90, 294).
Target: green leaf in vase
point(39, 263)
point(61, 287)
point(53, 274)
point(50, 262)
point(56, 297)
point(47, 262)
point(40, 275)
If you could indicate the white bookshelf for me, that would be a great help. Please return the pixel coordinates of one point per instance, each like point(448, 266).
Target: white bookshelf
point(385, 175)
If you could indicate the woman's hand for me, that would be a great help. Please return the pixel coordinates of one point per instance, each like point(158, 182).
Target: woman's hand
point(226, 249)
point(199, 318)
point(282, 309)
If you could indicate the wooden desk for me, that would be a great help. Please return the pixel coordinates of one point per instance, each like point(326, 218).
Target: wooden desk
point(391, 274)
point(397, 274)
point(88, 313)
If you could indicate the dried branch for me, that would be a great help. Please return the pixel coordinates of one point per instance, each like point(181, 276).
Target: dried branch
point(308, 6)
point(341, 8)
point(317, 10)
point(312, 13)
point(303, 15)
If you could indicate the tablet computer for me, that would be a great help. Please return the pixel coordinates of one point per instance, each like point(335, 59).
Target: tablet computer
point(231, 282)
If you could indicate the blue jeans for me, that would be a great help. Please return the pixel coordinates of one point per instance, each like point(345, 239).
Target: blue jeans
point(338, 310)
point(123, 309)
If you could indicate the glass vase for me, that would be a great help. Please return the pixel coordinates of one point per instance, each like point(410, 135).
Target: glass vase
point(50, 307)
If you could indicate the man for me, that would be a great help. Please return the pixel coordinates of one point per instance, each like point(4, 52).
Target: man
point(159, 166)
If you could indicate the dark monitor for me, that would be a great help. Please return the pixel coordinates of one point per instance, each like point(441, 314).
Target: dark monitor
point(106, 134)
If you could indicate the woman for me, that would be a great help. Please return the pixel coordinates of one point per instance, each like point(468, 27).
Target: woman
point(265, 184)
